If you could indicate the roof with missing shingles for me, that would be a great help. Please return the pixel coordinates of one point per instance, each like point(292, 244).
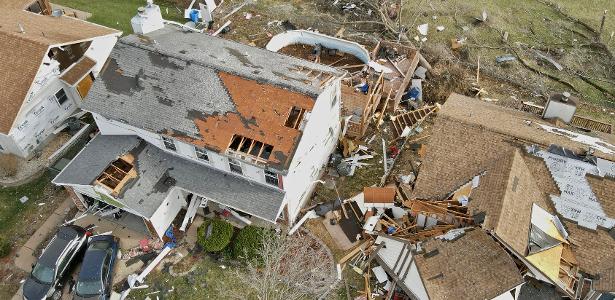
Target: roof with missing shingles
point(159, 171)
point(203, 90)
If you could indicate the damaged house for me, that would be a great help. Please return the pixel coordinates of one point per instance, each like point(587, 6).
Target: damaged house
point(188, 121)
point(49, 63)
point(545, 193)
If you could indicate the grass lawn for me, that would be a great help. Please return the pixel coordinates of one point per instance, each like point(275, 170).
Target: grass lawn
point(117, 13)
point(12, 211)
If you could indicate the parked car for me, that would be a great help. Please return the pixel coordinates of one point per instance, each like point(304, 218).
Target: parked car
point(45, 280)
point(96, 274)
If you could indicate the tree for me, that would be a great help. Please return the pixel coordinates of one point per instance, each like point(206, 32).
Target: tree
point(214, 235)
point(285, 268)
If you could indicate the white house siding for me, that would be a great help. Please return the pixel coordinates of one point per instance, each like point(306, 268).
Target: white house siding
point(166, 212)
point(318, 140)
point(100, 49)
point(9, 146)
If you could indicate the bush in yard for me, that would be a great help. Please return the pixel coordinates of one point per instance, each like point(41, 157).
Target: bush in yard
point(8, 165)
point(248, 242)
point(5, 247)
point(214, 235)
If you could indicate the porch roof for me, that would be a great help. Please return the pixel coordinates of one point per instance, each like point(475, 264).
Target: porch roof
point(159, 172)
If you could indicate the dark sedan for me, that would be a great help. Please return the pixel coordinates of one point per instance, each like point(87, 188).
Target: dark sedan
point(46, 276)
point(95, 277)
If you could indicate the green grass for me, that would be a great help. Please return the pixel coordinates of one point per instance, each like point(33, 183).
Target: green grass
point(117, 13)
point(12, 211)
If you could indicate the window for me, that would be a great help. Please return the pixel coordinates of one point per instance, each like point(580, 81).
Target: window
point(295, 117)
point(1, 148)
point(201, 154)
point(169, 143)
point(235, 166)
point(271, 178)
point(61, 96)
point(250, 146)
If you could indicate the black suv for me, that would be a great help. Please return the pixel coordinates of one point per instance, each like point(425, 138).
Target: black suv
point(96, 275)
point(45, 279)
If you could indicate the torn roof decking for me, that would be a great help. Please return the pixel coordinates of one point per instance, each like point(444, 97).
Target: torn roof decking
point(23, 52)
point(203, 90)
point(159, 171)
point(478, 260)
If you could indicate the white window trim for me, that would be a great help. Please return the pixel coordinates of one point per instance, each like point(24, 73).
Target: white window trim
point(236, 162)
point(272, 175)
point(164, 143)
point(196, 154)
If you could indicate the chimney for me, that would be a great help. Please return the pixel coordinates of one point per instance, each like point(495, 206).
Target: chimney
point(562, 106)
point(148, 19)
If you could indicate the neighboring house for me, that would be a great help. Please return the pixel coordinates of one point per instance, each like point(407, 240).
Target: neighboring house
point(187, 120)
point(48, 65)
point(540, 192)
point(463, 264)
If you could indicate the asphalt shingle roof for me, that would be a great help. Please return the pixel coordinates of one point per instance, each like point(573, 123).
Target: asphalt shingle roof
point(158, 171)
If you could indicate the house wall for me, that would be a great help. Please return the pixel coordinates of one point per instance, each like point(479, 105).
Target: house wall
point(41, 114)
point(167, 211)
point(100, 49)
point(319, 139)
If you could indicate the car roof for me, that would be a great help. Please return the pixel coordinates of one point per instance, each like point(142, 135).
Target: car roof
point(92, 262)
point(58, 243)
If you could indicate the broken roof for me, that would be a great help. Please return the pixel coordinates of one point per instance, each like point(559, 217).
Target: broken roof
point(26, 51)
point(204, 90)
point(471, 137)
point(158, 172)
point(478, 260)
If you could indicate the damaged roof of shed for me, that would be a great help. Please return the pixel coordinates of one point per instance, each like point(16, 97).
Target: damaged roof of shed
point(159, 171)
point(23, 52)
point(203, 90)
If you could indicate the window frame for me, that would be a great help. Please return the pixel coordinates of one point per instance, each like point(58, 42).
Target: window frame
point(65, 98)
point(167, 141)
point(274, 177)
point(198, 152)
point(235, 163)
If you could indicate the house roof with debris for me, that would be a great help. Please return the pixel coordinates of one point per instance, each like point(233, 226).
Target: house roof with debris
point(204, 90)
point(27, 49)
point(159, 171)
point(478, 260)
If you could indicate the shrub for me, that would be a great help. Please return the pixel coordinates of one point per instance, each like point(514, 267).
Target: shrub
point(248, 242)
point(8, 165)
point(214, 235)
point(5, 247)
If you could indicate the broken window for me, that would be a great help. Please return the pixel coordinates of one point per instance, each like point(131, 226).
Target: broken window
point(117, 173)
point(250, 146)
point(201, 154)
point(271, 178)
point(61, 96)
point(235, 166)
point(295, 117)
point(169, 143)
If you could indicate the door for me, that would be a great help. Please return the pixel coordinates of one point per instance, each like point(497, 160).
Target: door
point(84, 86)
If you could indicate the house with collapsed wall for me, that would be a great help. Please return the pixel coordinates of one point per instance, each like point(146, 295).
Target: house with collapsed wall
point(190, 121)
point(49, 63)
point(544, 192)
point(465, 263)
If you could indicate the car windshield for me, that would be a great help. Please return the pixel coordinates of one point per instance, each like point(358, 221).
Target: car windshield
point(43, 273)
point(88, 288)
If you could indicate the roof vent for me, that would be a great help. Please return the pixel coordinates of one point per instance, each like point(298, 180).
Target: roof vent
point(565, 96)
point(141, 10)
point(57, 12)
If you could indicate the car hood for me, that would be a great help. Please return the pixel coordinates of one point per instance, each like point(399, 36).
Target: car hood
point(34, 290)
point(94, 297)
